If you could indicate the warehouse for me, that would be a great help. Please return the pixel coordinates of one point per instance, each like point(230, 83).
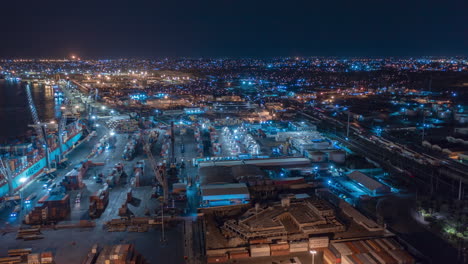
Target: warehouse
point(224, 194)
point(288, 218)
point(369, 183)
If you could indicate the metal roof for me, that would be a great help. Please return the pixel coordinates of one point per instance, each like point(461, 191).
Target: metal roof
point(368, 182)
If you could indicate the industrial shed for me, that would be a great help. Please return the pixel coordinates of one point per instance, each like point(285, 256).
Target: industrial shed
point(224, 194)
point(369, 183)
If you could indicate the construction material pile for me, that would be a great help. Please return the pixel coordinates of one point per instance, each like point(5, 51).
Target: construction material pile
point(29, 234)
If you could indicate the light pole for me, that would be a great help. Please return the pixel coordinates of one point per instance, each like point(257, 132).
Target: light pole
point(313, 252)
point(22, 181)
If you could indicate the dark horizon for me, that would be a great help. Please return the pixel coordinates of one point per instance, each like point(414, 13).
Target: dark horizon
point(112, 29)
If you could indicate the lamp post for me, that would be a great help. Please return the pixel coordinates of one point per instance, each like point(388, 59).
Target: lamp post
point(313, 252)
point(22, 181)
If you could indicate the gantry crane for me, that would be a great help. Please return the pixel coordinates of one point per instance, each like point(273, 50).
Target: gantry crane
point(61, 129)
point(6, 172)
point(159, 171)
point(40, 127)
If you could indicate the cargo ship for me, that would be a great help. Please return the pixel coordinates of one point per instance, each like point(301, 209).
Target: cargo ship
point(28, 160)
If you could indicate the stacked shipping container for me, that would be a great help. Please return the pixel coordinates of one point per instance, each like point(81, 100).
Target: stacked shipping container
point(49, 209)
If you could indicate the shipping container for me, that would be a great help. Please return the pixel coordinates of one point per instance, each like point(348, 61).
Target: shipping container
point(260, 250)
point(298, 246)
point(239, 254)
point(217, 258)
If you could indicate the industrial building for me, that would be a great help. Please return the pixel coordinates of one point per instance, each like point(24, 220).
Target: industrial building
point(287, 219)
point(371, 185)
point(229, 174)
point(224, 194)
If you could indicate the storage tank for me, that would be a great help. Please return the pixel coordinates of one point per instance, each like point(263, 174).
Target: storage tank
point(337, 156)
point(318, 156)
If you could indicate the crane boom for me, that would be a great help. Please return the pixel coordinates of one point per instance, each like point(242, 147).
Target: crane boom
point(38, 126)
point(5, 170)
point(61, 129)
point(157, 172)
point(33, 110)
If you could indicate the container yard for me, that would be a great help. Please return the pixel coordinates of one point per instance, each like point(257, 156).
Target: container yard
point(238, 161)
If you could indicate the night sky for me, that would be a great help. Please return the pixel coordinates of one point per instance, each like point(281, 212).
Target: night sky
point(235, 28)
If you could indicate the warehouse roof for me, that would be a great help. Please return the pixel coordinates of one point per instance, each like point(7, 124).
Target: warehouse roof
point(224, 189)
point(225, 174)
point(368, 182)
point(215, 174)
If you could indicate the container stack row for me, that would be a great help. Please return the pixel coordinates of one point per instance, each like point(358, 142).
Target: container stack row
point(50, 208)
point(25, 255)
point(380, 251)
point(117, 254)
point(98, 202)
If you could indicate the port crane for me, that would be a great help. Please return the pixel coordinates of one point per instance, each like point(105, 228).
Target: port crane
point(38, 126)
point(6, 172)
point(158, 171)
point(61, 129)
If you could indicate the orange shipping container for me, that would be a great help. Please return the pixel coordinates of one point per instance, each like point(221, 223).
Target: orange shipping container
point(217, 259)
point(280, 252)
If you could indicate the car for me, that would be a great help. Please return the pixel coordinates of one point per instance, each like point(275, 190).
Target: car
point(47, 184)
point(51, 187)
point(30, 198)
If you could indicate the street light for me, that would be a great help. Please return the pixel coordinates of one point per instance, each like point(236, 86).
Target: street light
point(313, 252)
point(21, 180)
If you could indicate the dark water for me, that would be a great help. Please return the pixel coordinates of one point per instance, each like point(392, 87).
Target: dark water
point(15, 115)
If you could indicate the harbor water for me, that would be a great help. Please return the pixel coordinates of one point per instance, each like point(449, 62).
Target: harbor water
point(15, 115)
